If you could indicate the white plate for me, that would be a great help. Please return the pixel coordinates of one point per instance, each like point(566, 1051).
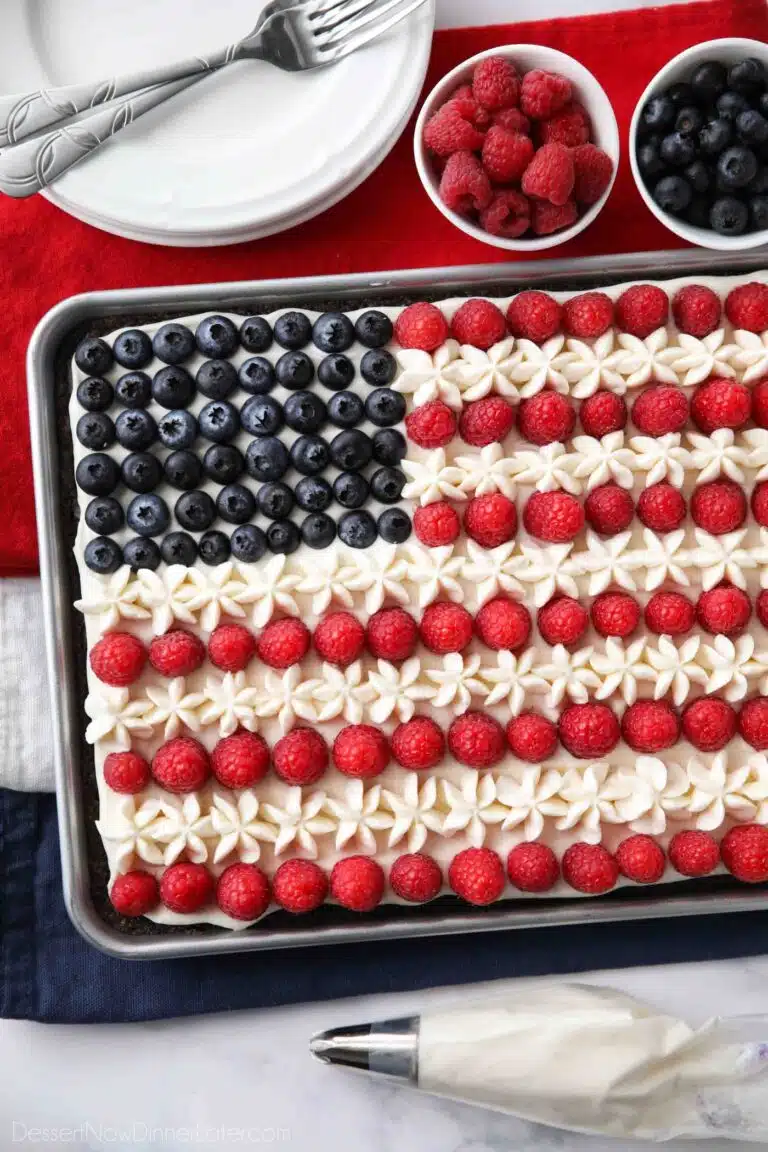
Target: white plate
point(241, 155)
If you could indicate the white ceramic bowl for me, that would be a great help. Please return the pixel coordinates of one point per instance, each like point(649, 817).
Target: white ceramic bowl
point(728, 50)
point(525, 57)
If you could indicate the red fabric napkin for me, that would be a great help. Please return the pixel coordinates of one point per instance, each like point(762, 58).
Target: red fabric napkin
point(387, 223)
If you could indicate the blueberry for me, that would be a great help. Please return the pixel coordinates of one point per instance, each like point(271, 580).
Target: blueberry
point(305, 412)
point(357, 529)
point(173, 343)
point(681, 95)
point(255, 334)
point(104, 515)
point(136, 429)
point(224, 463)
point(95, 394)
point(214, 548)
point(373, 329)
point(715, 136)
point(103, 556)
point(219, 421)
point(195, 511)
point(689, 120)
point(142, 553)
point(677, 150)
point(178, 429)
point(729, 216)
point(134, 390)
point(389, 446)
point(313, 494)
point(394, 525)
point(133, 348)
point(97, 474)
point(235, 504)
point(262, 416)
point(93, 356)
point(699, 177)
point(248, 543)
point(758, 186)
point(173, 388)
point(148, 515)
point(351, 451)
point(385, 407)
point(183, 470)
point(709, 81)
point(275, 501)
point(730, 105)
point(318, 530)
point(141, 472)
point(333, 332)
point(387, 485)
point(283, 537)
point(309, 455)
point(217, 337)
point(648, 159)
point(179, 548)
point(758, 213)
point(267, 458)
point(336, 372)
point(216, 379)
point(257, 376)
point(351, 489)
point(378, 367)
point(658, 114)
point(752, 128)
point(697, 212)
point(95, 430)
point(295, 370)
point(345, 409)
point(736, 167)
point(762, 103)
point(293, 330)
point(747, 76)
point(672, 194)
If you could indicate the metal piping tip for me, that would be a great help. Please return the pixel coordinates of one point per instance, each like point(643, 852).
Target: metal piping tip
point(389, 1048)
point(325, 1045)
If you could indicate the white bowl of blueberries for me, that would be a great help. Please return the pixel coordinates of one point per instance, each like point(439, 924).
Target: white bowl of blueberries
point(699, 144)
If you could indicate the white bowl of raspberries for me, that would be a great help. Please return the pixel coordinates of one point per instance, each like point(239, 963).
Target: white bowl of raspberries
point(518, 147)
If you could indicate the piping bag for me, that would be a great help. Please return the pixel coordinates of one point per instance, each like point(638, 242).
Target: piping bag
point(583, 1059)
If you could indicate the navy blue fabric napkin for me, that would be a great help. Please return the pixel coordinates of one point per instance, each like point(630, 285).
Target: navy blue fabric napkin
point(47, 972)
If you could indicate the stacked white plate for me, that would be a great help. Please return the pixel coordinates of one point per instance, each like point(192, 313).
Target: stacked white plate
point(243, 154)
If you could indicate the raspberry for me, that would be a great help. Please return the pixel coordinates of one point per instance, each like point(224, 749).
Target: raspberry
point(532, 737)
point(361, 751)
point(283, 643)
point(392, 634)
point(533, 868)
point(495, 83)
point(446, 627)
point(480, 323)
point(641, 859)
point(134, 893)
point(753, 723)
point(548, 218)
point(709, 724)
point(696, 310)
point(431, 425)
point(615, 614)
point(507, 215)
point(513, 120)
point(418, 744)
point(609, 509)
point(669, 614)
point(534, 316)
point(242, 892)
point(464, 99)
point(659, 410)
point(693, 853)
point(491, 520)
point(299, 886)
point(477, 875)
point(592, 171)
point(719, 507)
point(300, 757)
point(762, 608)
point(506, 155)
point(185, 888)
point(421, 326)
point(641, 309)
point(556, 517)
point(760, 403)
point(437, 524)
point(477, 740)
point(562, 621)
point(569, 126)
point(546, 418)
point(181, 765)
point(661, 507)
point(465, 188)
point(759, 503)
point(549, 176)
point(721, 403)
point(503, 623)
point(486, 421)
point(416, 878)
point(339, 638)
point(230, 647)
point(745, 853)
point(118, 659)
point(450, 131)
point(357, 883)
point(177, 653)
point(589, 730)
point(240, 760)
point(650, 726)
point(126, 772)
point(724, 610)
point(747, 306)
point(588, 316)
point(602, 413)
point(544, 93)
point(590, 868)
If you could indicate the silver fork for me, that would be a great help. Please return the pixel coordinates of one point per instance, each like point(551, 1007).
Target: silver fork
point(294, 38)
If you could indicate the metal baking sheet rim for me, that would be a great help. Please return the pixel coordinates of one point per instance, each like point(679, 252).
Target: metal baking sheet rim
point(65, 711)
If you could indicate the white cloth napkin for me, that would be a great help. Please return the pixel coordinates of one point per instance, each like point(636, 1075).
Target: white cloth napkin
point(26, 743)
